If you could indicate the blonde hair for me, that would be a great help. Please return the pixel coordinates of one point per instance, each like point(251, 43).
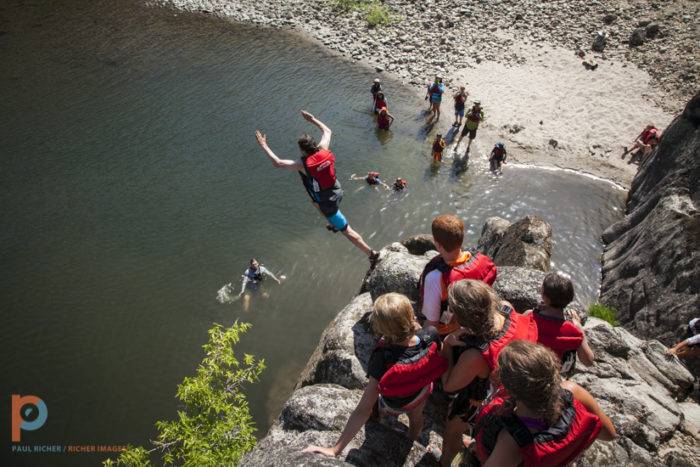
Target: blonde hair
point(392, 318)
point(475, 305)
point(530, 373)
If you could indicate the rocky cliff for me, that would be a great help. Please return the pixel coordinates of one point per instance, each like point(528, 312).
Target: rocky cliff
point(651, 264)
point(632, 379)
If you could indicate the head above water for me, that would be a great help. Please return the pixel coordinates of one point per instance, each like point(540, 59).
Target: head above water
point(376, 80)
point(380, 95)
point(530, 373)
point(448, 232)
point(557, 290)
point(307, 144)
point(475, 306)
point(393, 318)
point(254, 263)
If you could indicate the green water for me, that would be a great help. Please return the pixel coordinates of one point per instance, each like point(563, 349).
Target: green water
point(132, 190)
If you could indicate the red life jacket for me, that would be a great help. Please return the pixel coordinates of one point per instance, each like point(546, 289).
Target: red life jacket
point(560, 335)
point(516, 327)
point(650, 136)
point(320, 167)
point(407, 377)
point(498, 152)
point(468, 266)
point(558, 445)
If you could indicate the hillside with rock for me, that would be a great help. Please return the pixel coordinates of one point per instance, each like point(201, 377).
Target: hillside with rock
point(651, 263)
point(632, 379)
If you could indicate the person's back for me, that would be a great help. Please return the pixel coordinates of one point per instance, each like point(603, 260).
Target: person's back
point(565, 338)
point(534, 419)
point(450, 266)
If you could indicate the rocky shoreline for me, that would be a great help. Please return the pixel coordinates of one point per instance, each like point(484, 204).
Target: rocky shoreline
point(536, 44)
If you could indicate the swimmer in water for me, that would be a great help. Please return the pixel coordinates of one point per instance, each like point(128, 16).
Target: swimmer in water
point(253, 278)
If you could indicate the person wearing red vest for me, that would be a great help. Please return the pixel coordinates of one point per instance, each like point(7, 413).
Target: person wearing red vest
point(564, 337)
point(535, 419)
point(317, 170)
point(645, 142)
point(452, 265)
point(488, 324)
point(401, 370)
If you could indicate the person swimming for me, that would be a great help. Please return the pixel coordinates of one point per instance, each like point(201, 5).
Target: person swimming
point(252, 280)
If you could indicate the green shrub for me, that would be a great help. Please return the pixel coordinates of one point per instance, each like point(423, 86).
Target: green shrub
point(603, 312)
point(377, 14)
point(213, 425)
point(374, 11)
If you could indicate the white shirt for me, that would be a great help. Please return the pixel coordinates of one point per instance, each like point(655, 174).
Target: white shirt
point(432, 297)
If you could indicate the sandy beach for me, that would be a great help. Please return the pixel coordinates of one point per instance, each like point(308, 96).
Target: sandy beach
point(553, 100)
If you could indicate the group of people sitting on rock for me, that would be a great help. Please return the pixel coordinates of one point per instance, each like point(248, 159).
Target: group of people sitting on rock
point(502, 370)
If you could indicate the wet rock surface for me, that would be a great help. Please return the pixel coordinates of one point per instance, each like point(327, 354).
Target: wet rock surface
point(651, 262)
point(643, 391)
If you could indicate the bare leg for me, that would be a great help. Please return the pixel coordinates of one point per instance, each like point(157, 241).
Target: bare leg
point(415, 421)
point(357, 240)
point(437, 110)
point(246, 302)
point(452, 440)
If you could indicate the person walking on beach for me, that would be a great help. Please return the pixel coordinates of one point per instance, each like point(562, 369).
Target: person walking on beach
point(498, 157)
point(253, 278)
point(435, 92)
point(317, 170)
point(384, 119)
point(474, 117)
point(460, 99)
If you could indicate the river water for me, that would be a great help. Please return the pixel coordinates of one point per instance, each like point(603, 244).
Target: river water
point(132, 189)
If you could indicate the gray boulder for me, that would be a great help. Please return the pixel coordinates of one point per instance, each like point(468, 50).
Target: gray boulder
point(599, 42)
point(396, 271)
point(637, 37)
point(348, 335)
point(520, 286)
point(638, 387)
point(419, 244)
point(526, 243)
point(651, 262)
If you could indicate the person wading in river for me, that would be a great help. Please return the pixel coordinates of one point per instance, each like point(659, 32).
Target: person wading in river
point(317, 170)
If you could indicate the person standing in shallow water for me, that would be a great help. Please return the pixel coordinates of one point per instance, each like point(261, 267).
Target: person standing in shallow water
point(474, 117)
point(460, 99)
point(251, 284)
point(375, 89)
point(435, 92)
point(317, 170)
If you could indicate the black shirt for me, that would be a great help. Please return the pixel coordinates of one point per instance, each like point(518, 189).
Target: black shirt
point(384, 357)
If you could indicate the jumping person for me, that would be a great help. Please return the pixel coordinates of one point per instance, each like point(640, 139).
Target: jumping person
point(438, 146)
point(535, 419)
point(384, 119)
point(488, 325)
point(565, 338)
point(401, 370)
point(474, 117)
point(317, 170)
point(450, 266)
point(498, 157)
point(435, 92)
point(253, 278)
point(460, 99)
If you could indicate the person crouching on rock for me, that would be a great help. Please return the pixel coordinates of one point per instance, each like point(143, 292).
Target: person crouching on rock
point(645, 142)
point(450, 266)
point(535, 419)
point(690, 347)
point(565, 338)
point(401, 370)
point(488, 324)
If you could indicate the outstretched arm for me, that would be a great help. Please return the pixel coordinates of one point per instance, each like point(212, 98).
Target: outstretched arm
point(276, 161)
point(268, 273)
point(326, 138)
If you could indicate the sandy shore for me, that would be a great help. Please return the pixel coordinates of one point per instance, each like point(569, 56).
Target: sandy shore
point(521, 59)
